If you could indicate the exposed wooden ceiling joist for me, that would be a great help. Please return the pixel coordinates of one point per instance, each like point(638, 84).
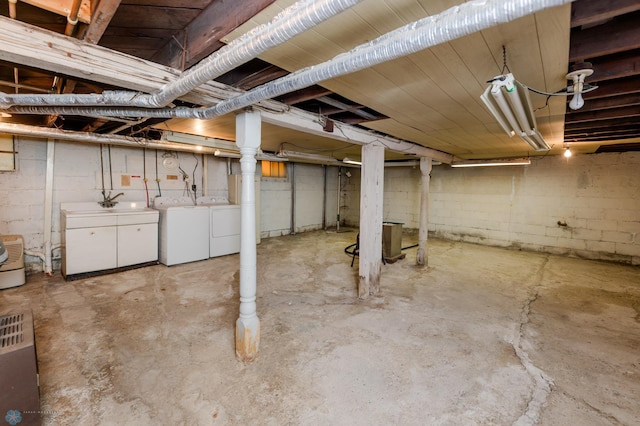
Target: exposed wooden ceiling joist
point(618, 87)
point(201, 36)
point(618, 35)
point(621, 112)
point(618, 66)
point(589, 12)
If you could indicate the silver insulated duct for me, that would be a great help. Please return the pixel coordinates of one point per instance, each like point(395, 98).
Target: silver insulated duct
point(292, 21)
point(451, 24)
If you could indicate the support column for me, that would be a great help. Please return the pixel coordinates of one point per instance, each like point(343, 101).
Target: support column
point(248, 325)
point(371, 196)
point(425, 171)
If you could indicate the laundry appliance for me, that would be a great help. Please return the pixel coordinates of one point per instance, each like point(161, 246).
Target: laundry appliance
point(224, 226)
point(183, 230)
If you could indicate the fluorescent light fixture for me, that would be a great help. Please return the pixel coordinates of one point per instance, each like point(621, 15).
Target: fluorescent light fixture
point(223, 153)
point(199, 140)
point(305, 157)
point(347, 160)
point(408, 163)
point(491, 163)
point(508, 101)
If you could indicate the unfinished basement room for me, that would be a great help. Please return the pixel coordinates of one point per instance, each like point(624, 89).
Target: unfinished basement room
point(320, 212)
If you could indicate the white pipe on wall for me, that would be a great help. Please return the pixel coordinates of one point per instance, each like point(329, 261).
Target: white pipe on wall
point(48, 207)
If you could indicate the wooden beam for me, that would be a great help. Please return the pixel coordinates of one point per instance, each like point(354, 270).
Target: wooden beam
point(619, 66)
point(631, 111)
point(371, 202)
point(261, 77)
point(589, 12)
point(309, 93)
point(616, 36)
point(203, 34)
point(102, 15)
point(613, 88)
point(355, 109)
point(609, 102)
point(422, 258)
point(603, 137)
point(591, 126)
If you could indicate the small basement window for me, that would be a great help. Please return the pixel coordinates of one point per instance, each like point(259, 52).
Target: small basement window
point(274, 169)
point(7, 154)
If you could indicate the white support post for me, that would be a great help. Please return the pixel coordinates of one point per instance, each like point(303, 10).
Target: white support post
point(425, 171)
point(371, 196)
point(248, 325)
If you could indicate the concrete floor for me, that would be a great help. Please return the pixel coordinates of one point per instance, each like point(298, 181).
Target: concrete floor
point(483, 336)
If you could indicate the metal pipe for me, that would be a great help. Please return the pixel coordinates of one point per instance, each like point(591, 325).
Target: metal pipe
point(451, 24)
point(72, 18)
point(86, 137)
point(292, 21)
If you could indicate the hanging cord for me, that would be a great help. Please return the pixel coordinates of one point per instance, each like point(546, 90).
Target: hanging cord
point(157, 178)
point(144, 173)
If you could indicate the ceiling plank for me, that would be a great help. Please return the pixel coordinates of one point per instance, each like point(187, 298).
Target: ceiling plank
point(203, 34)
point(588, 12)
point(615, 36)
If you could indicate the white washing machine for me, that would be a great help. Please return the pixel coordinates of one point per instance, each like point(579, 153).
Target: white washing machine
point(224, 226)
point(183, 230)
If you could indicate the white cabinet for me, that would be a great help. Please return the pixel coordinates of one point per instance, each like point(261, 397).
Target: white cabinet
point(99, 240)
point(89, 249)
point(137, 244)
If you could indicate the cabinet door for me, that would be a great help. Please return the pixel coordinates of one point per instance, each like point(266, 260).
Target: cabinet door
point(90, 249)
point(137, 244)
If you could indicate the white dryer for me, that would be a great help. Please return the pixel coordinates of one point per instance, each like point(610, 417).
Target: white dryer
point(224, 226)
point(183, 230)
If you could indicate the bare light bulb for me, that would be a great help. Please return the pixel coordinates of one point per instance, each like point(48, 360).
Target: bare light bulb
point(567, 152)
point(576, 102)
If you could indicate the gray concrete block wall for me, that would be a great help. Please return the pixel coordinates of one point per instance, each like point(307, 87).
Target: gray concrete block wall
point(597, 196)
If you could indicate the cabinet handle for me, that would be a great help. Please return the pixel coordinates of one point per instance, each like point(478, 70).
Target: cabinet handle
point(91, 233)
point(138, 229)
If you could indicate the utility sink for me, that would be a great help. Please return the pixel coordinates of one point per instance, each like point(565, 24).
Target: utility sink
point(80, 215)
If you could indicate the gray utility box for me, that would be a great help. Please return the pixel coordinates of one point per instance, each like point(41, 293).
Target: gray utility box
point(19, 394)
point(391, 240)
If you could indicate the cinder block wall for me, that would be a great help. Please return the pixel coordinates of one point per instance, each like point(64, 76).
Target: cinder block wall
point(77, 179)
point(309, 200)
point(586, 206)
